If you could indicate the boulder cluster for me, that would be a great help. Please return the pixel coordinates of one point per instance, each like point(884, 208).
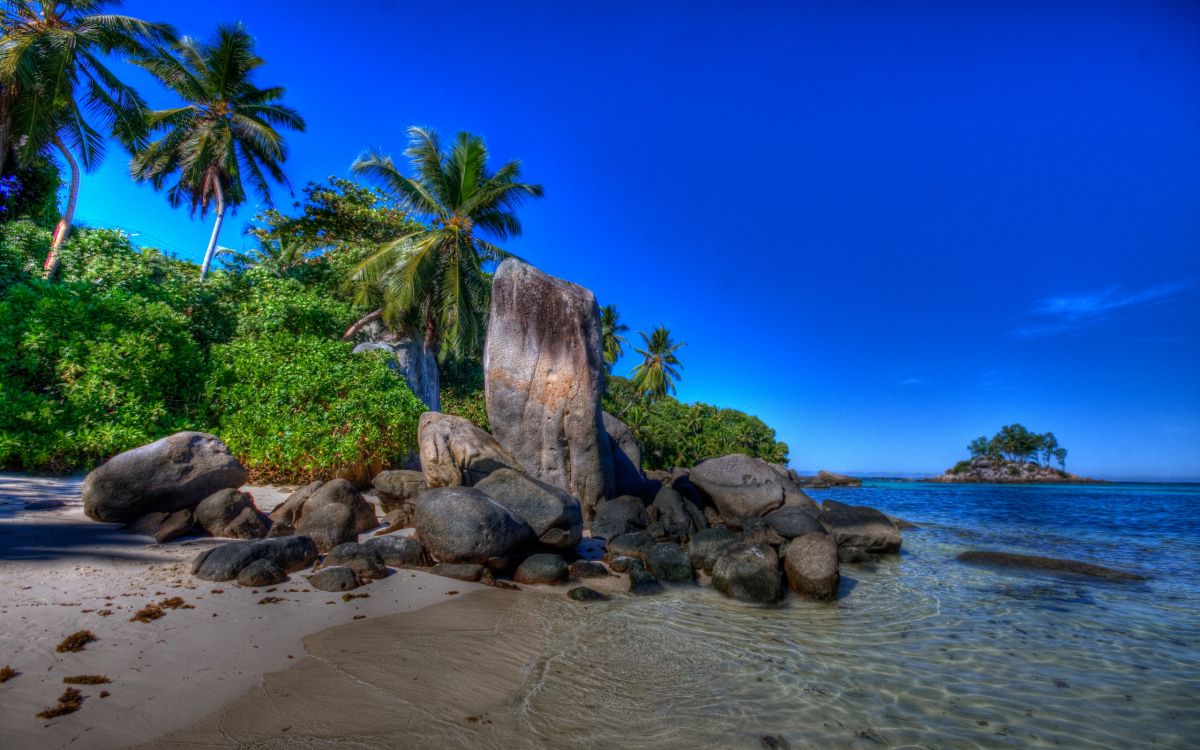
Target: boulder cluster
point(511, 506)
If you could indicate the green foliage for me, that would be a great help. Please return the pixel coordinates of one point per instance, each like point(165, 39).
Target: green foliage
point(1016, 443)
point(30, 192)
point(677, 434)
point(655, 376)
point(23, 245)
point(86, 373)
point(295, 408)
point(275, 305)
point(611, 329)
point(462, 391)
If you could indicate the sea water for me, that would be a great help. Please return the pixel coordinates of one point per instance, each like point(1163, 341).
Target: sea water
point(918, 651)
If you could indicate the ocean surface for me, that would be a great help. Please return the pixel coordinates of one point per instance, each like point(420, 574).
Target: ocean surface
point(919, 651)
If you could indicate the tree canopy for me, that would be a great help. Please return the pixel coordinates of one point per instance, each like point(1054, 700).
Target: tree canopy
point(1015, 442)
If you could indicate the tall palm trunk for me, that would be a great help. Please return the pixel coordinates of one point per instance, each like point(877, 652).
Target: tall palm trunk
point(54, 258)
point(212, 242)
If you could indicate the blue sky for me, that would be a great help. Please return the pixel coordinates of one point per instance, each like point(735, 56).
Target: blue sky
point(886, 228)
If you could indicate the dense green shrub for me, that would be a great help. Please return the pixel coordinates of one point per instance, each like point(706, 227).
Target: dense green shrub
point(23, 247)
point(87, 372)
point(30, 192)
point(278, 305)
point(462, 391)
point(297, 408)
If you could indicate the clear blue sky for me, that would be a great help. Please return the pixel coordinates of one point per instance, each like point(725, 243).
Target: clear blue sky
point(886, 228)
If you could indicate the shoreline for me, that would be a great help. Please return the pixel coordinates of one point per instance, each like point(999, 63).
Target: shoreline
point(61, 571)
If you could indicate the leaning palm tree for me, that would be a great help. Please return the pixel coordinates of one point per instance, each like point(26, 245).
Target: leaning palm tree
point(57, 93)
point(433, 282)
point(223, 137)
point(655, 375)
point(611, 329)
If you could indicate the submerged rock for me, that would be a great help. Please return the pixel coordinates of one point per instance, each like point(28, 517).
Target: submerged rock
point(1052, 564)
point(543, 378)
point(464, 525)
point(749, 573)
point(641, 581)
point(585, 594)
point(167, 475)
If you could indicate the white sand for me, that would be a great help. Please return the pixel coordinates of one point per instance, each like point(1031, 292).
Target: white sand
point(58, 570)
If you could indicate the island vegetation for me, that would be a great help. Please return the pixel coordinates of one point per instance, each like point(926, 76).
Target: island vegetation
point(1014, 454)
point(105, 346)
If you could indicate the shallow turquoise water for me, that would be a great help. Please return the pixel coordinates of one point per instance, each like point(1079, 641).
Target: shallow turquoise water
point(919, 650)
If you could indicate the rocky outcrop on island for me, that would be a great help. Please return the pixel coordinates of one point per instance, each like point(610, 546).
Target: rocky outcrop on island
point(543, 379)
point(985, 470)
point(825, 479)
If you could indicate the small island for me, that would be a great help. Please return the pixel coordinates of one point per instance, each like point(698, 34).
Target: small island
point(1014, 455)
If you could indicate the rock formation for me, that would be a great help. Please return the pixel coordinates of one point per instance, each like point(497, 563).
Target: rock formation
point(455, 452)
point(543, 380)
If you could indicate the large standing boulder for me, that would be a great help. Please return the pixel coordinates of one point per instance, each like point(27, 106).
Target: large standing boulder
point(167, 475)
point(860, 526)
point(464, 525)
point(740, 486)
point(811, 564)
point(543, 379)
point(628, 478)
point(230, 513)
point(455, 452)
point(749, 573)
point(552, 513)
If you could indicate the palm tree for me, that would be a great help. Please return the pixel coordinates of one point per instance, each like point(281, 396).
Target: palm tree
point(224, 136)
point(655, 376)
point(57, 94)
point(611, 329)
point(433, 281)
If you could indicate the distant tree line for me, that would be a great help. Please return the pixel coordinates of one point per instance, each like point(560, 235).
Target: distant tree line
point(1016, 443)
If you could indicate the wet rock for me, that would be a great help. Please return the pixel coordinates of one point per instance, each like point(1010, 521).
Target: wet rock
point(633, 544)
point(399, 551)
point(455, 452)
point(398, 490)
point(707, 545)
point(230, 513)
point(554, 516)
point(336, 578)
point(365, 561)
point(542, 569)
point(328, 526)
point(860, 526)
point(464, 525)
point(666, 561)
point(167, 475)
point(585, 594)
point(223, 563)
point(811, 564)
point(1052, 564)
point(749, 574)
point(791, 522)
point(622, 563)
point(459, 571)
point(588, 569)
point(543, 379)
point(641, 581)
point(855, 555)
point(618, 516)
point(261, 573)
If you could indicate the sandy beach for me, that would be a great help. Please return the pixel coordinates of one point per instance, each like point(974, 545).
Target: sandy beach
point(61, 573)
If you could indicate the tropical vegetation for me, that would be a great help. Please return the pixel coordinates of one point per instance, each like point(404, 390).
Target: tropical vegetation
point(1016, 444)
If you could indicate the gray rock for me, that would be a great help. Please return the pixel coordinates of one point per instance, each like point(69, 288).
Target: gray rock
point(855, 555)
point(365, 561)
point(678, 517)
point(628, 478)
point(739, 486)
point(666, 561)
point(544, 507)
point(618, 516)
point(756, 531)
point(280, 528)
point(860, 526)
point(464, 525)
point(398, 490)
point(749, 573)
point(791, 521)
point(223, 563)
point(622, 563)
point(167, 475)
point(546, 568)
point(291, 509)
point(588, 569)
point(336, 578)
point(162, 526)
point(459, 571)
point(399, 551)
point(261, 573)
point(543, 379)
point(455, 452)
point(633, 544)
point(641, 581)
point(342, 492)
point(811, 564)
point(585, 594)
point(1053, 564)
point(707, 545)
point(328, 526)
point(230, 513)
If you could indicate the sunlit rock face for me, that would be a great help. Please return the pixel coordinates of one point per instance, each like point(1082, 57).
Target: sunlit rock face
point(543, 379)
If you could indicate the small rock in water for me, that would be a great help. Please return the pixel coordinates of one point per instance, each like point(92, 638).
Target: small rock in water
point(749, 574)
point(1033, 562)
point(641, 582)
point(585, 594)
